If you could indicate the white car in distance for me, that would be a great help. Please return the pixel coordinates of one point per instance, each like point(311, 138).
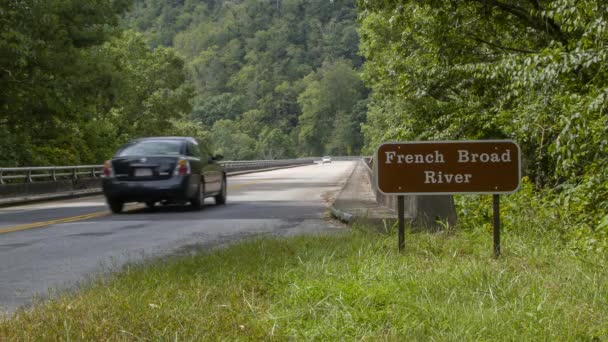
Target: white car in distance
point(326, 159)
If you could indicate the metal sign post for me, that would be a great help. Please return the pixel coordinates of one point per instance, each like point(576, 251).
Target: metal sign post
point(401, 217)
point(496, 205)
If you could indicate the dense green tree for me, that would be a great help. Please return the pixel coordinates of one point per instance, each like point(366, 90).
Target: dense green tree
point(329, 120)
point(230, 142)
point(150, 89)
point(346, 138)
point(274, 144)
point(533, 71)
point(74, 86)
point(46, 74)
point(487, 69)
point(214, 108)
point(314, 123)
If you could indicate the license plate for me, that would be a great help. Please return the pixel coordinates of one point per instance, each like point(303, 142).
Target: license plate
point(143, 172)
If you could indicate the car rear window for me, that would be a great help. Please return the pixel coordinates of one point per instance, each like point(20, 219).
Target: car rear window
point(152, 147)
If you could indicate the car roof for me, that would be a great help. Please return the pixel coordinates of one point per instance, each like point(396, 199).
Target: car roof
point(189, 139)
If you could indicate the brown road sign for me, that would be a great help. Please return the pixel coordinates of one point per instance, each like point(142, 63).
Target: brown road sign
point(448, 167)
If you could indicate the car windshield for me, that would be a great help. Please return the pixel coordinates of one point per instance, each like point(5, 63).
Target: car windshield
point(152, 147)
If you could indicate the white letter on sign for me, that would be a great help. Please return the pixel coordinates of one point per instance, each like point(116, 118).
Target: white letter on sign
point(389, 157)
point(463, 156)
point(429, 177)
point(506, 157)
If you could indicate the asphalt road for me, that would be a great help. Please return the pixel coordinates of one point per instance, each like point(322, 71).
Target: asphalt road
point(57, 245)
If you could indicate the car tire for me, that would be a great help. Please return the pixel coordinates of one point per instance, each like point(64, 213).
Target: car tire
point(197, 202)
point(221, 197)
point(116, 206)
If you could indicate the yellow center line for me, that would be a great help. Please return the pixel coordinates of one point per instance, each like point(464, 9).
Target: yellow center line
point(90, 215)
point(51, 222)
point(61, 220)
point(240, 185)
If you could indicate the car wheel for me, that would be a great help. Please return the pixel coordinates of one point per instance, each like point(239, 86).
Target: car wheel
point(221, 198)
point(116, 206)
point(197, 202)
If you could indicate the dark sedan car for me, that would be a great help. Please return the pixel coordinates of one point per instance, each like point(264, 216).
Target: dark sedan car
point(163, 169)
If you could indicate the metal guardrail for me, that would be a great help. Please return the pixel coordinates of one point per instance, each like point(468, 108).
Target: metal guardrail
point(232, 166)
point(52, 173)
point(343, 158)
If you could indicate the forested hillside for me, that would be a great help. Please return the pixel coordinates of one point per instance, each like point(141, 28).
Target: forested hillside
point(532, 71)
point(73, 85)
point(256, 78)
point(273, 79)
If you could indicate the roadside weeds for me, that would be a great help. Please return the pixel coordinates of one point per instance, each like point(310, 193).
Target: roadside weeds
point(353, 285)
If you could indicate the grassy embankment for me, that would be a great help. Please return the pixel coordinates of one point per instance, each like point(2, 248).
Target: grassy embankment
point(351, 285)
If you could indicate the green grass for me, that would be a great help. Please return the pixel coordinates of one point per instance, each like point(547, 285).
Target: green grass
point(347, 286)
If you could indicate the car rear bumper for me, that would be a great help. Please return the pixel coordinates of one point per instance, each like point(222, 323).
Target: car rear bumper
point(177, 188)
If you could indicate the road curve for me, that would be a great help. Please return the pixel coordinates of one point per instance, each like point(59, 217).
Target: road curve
point(54, 245)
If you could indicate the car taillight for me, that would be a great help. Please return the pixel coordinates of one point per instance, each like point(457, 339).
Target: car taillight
point(182, 168)
point(108, 172)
